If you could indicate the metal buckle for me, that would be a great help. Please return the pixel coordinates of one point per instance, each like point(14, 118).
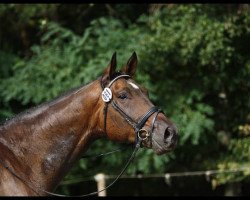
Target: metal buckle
point(141, 132)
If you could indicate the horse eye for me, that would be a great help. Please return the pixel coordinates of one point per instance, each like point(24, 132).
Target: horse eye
point(123, 96)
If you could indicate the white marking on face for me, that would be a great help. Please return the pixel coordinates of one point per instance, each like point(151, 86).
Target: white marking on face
point(133, 85)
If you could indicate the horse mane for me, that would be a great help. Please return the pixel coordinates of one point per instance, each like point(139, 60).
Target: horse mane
point(28, 111)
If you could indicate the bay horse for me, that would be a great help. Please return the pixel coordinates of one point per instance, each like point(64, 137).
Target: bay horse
point(41, 144)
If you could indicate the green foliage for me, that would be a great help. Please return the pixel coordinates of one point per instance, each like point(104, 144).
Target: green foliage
point(193, 59)
point(238, 158)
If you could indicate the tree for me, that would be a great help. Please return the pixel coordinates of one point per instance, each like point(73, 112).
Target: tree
point(192, 58)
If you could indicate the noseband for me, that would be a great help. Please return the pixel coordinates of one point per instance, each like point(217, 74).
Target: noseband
point(141, 134)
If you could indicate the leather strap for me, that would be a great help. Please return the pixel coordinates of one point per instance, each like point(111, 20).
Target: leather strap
point(144, 118)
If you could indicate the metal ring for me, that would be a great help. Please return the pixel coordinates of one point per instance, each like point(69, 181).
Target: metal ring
point(143, 131)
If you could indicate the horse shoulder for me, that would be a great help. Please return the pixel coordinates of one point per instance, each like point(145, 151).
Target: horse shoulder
point(11, 186)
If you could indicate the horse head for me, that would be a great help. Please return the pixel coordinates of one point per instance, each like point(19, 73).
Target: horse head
point(129, 114)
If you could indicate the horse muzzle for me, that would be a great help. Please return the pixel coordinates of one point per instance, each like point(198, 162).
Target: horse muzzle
point(163, 139)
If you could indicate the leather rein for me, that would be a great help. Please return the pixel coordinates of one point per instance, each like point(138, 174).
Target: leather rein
point(141, 135)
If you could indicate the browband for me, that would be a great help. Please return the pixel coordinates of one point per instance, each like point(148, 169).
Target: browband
point(124, 75)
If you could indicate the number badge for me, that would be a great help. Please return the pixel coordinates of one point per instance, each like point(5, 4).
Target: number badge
point(106, 95)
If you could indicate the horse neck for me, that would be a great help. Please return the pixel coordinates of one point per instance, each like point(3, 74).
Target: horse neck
point(47, 141)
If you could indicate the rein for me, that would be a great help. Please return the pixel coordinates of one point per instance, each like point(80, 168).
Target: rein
point(141, 135)
point(84, 195)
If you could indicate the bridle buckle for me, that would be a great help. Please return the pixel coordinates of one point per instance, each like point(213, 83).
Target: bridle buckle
point(143, 134)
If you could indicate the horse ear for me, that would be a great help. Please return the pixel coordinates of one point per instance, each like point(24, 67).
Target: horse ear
point(110, 70)
point(130, 68)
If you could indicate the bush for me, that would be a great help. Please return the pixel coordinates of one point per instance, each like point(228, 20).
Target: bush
point(192, 58)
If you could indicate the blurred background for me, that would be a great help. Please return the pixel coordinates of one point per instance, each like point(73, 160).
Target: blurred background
point(193, 59)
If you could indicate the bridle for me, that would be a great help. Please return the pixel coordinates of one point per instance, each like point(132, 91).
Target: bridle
point(141, 135)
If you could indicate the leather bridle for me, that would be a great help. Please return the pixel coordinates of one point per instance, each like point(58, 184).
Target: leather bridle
point(141, 135)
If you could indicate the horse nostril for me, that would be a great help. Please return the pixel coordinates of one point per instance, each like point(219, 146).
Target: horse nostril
point(167, 134)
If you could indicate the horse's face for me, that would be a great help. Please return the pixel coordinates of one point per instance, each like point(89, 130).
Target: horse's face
point(133, 100)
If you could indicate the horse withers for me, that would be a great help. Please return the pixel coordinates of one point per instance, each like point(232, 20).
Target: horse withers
point(39, 146)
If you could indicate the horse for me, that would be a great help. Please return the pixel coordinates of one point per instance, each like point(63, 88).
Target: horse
point(39, 146)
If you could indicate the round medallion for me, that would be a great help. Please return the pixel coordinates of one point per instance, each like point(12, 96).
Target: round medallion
point(106, 95)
